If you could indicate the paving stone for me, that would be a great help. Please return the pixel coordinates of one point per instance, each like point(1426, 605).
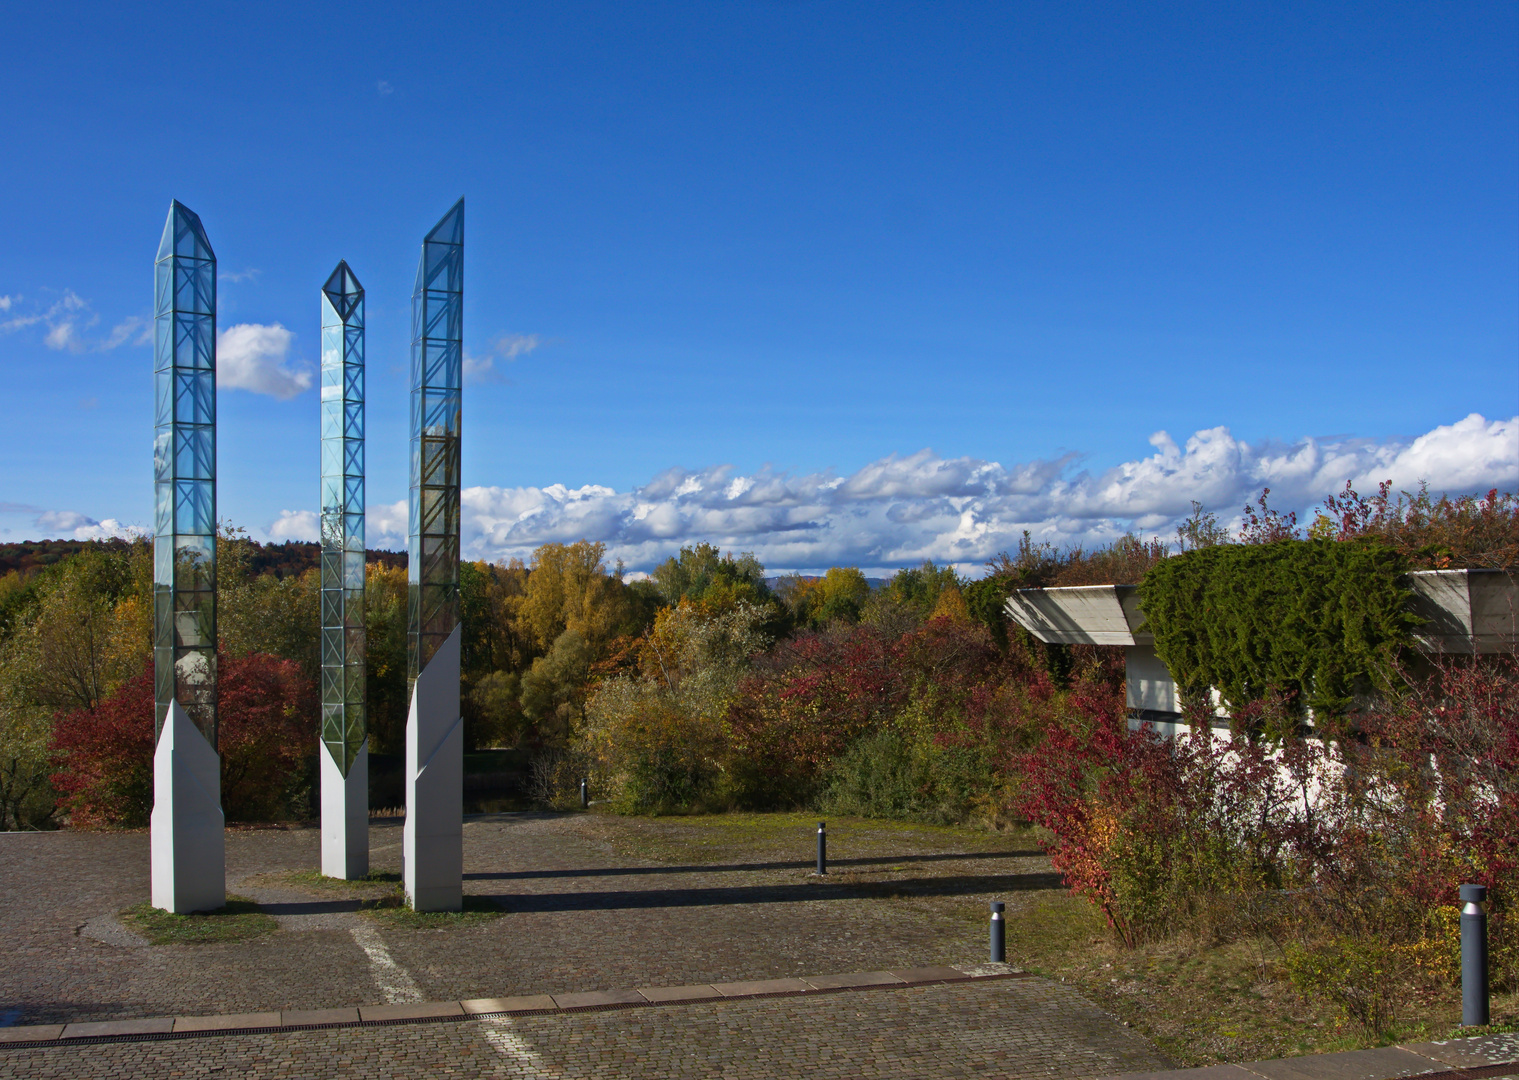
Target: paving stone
point(309, 1017)
point(757, 987)
point(752, 928)
point(599, 997)
point(109, 1028)
point(852, 980)
point(1385, 1063)
point(525, 1003)
point(411, 1010)
point(1207, 1072)
point(988, 971)
point(30, 1033)
point(228, 1022)
point(930, 974)
point(678, 993)
point(1467, 1053)
point(1012, 1029)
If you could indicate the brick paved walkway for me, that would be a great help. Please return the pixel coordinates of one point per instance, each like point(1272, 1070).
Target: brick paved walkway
point(1018, 1028)
point(582, 914)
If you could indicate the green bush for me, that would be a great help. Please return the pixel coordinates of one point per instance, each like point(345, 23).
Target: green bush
point(1368, 980)
point(883, 775)
point(1319, 621)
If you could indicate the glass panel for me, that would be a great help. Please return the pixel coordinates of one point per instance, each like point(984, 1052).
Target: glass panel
point(163, 461)
point(192, 457)
point(193, 512)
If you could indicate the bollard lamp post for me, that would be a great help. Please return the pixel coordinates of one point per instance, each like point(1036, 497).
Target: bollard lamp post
point(1474, 989)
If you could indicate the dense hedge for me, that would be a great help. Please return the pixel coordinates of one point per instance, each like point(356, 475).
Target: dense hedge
point(1314, 620)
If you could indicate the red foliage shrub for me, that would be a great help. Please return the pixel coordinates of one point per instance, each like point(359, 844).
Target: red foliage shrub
point(267, 733)
point(806, 701)
point(105, 758)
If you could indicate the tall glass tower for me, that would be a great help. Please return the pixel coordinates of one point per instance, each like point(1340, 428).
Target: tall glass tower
point(437, 363)
point(345, 765)
point(188, 849)
point(184, 474)
point(433, 838)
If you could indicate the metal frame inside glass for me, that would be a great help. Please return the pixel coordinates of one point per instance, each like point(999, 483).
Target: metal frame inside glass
point(343, 645)
point(184, 473)
point(437, 363)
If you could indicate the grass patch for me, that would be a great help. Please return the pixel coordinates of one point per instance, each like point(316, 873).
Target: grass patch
point(315, 879)
point(746, 837)
point(239, 920)
point(1203, 1002)
point(477, 909)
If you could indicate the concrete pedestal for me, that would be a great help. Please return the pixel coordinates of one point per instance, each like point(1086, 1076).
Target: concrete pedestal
point(345, 816)
point(433, 840)
point(187, 831)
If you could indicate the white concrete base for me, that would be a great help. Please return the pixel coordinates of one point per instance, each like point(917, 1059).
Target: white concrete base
point(433, 840)
point(187, 830)
point(345, 816)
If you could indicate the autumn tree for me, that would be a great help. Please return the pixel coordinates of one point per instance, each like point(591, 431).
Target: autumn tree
point(704, 574)
point(839, 595)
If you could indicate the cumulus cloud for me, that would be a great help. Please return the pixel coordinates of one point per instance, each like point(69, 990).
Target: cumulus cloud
point(72, 525)
point(385, 526)
point(508, 347)
point(902, 509)
point(6, 301)
point(295, 525)
point(250, 356)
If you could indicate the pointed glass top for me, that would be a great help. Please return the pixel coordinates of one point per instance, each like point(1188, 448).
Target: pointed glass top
point(343, 290)
point(450, 229)
point(183, 235)
point(441, 264)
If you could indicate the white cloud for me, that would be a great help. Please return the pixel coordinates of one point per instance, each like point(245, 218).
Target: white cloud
point(252, 357)
point(142, 328)
point(385, 526)
point(72, 525)
point(237, 276)
point(900, 510)
point(383, 88)
point(64, 335)
point(295, 525)
point(62, 521)
point(69, 318)
point(109, 528)
point(508, 347)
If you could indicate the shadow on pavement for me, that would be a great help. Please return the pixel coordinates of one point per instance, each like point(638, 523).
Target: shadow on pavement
point(773, 894)
point(794, 864)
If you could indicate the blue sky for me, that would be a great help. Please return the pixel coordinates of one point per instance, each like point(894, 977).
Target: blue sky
point(857, 283)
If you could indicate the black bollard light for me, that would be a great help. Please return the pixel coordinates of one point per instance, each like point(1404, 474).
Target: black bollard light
point(999, 933)
point(822, 848)
point(1474, 990)
point(585, 792)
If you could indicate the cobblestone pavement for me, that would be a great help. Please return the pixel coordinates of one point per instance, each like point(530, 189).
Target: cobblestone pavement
point(588, 905)
point(580, 916)
point(1018, 1028)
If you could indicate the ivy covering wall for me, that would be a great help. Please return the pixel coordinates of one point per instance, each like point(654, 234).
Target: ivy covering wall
point(1314, 619)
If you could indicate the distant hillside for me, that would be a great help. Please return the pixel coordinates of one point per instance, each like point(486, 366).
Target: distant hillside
point(282, 560)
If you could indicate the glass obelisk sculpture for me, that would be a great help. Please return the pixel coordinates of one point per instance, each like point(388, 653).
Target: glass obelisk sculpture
point(187, 836)
point(345, 749)
point(433, 841)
